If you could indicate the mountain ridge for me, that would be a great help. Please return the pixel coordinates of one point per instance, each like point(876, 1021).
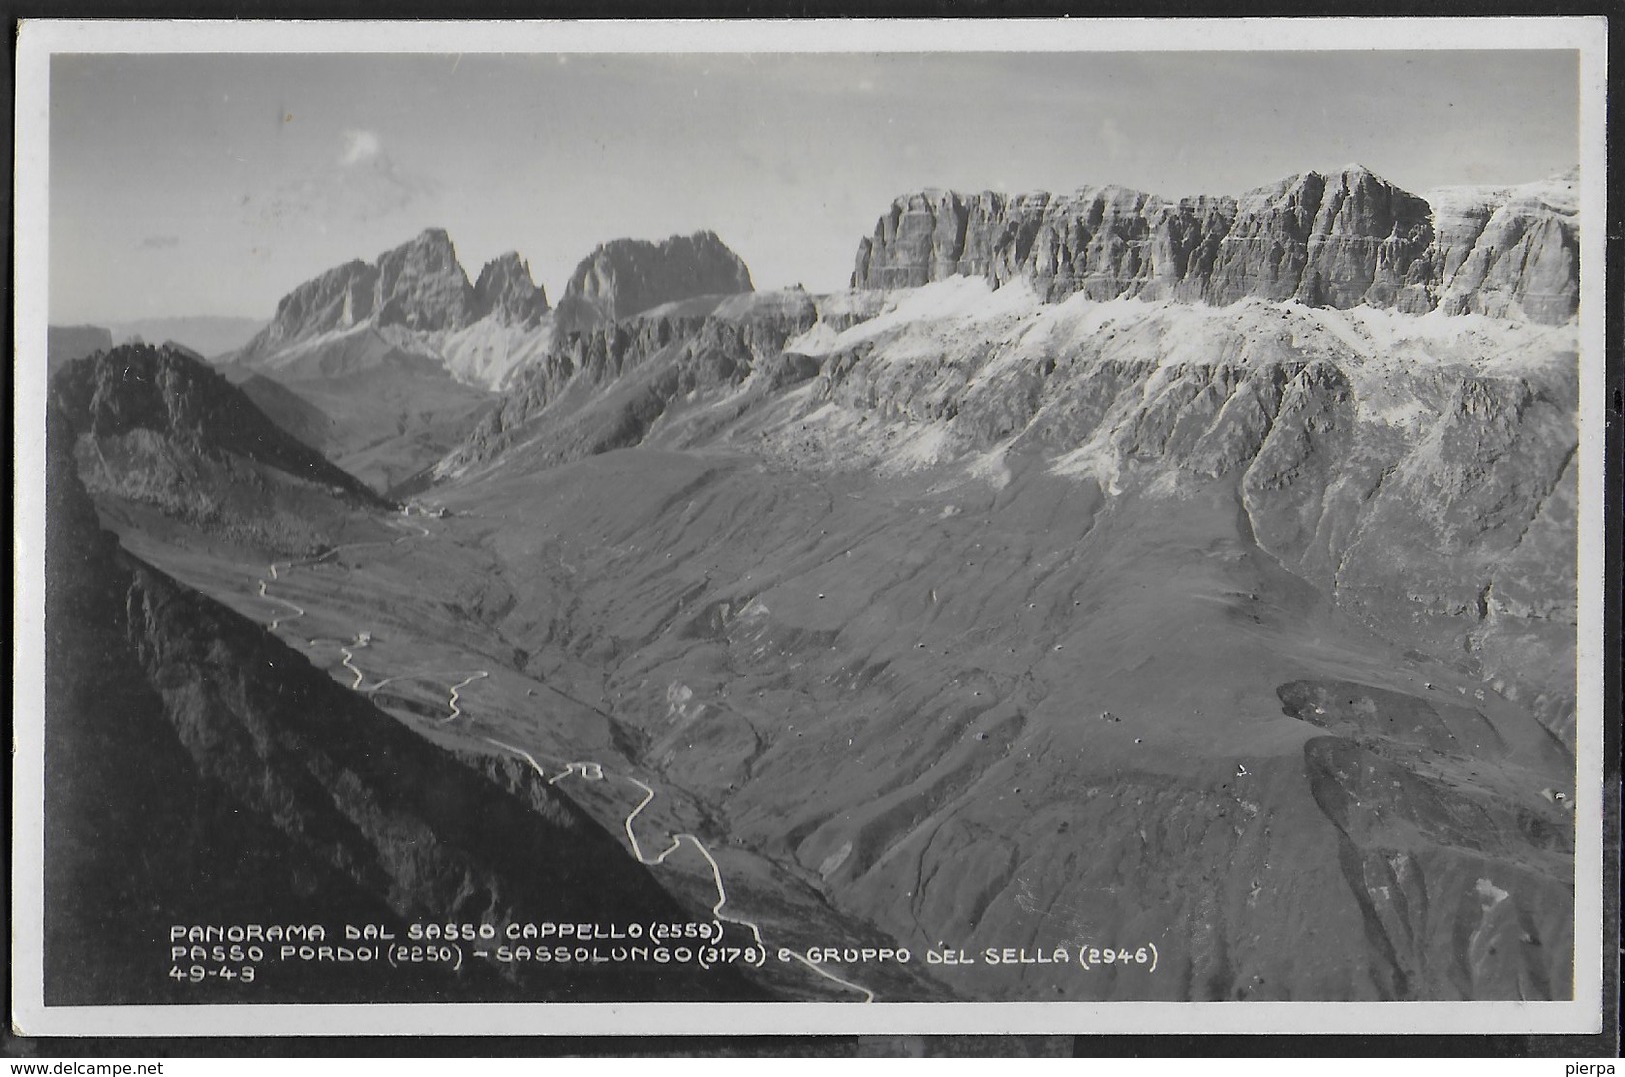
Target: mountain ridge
point(390, 364)
point(419, 296)
point(418, 284)
point(1338, 240)
point(625, 277)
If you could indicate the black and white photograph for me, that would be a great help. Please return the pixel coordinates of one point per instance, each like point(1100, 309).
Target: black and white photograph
point(670, 527)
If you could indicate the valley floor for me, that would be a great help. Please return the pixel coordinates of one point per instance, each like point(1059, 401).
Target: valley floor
point(1000, 717)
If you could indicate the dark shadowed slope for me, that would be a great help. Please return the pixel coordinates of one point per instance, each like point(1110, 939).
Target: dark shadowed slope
point(199, 772)
point(292, 412)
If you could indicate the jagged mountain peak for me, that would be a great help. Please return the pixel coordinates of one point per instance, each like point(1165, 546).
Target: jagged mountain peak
point(433, 242)
point(422, 285)
point(626, 276)
point(704, 243)
point(418, 299)
point(1355, 172)
point(418, 284)
point(507, 260)
point(433, 236)
point(505, 288)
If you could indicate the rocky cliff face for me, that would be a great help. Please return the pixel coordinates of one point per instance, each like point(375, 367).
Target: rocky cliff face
point(1323, 240)
point(1419, 471)
point(419, 284)
point(628, 276)
point(506, 291)
point(1503, 250)
point(391, 361)
point(418, 296)
point(398, 358)
point(201, 772)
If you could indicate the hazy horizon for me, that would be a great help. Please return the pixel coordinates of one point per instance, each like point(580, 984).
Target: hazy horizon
point(212, 184)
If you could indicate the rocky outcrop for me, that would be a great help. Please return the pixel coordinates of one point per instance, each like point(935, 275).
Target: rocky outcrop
point(65, 343)
point(628, 276)
point(391, 361)
point(419, 284)
point(199, 771)
point(1338, 240)
point(1505, 250)
point(505, 290)
point(158, 429)
point(1334, 241)
point(339, 298)
point(395, 347)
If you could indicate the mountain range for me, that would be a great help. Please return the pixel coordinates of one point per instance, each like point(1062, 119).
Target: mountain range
point(1341, 240)
point(1096, 570)
point(401, 356)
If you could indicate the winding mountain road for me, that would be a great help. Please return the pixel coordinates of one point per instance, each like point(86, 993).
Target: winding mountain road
point(586, 770)
point(276, 622)
point(275, 573)
point(594, 771)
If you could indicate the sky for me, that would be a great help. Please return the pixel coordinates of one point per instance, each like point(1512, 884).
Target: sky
point(213, 184)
